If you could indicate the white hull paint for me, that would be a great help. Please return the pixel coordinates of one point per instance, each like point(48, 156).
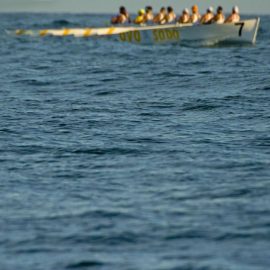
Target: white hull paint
point(244, 31)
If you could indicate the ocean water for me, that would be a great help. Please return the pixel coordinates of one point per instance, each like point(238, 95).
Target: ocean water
point(116, 156)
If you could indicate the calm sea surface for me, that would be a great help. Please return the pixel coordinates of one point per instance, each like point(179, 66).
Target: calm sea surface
point(117, 156)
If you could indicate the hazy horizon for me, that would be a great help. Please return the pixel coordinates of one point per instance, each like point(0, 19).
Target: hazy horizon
point(107, 6)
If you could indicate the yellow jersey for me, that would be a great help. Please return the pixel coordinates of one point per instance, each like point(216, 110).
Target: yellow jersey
point(139, 19)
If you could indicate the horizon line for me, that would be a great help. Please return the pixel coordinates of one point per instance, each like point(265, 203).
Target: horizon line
point(98, 13)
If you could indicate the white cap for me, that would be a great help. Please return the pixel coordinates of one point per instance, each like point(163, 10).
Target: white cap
point(236, 9)
point(186, 11)
point(210, 9)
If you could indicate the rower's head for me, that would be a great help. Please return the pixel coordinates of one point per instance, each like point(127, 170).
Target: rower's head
point(148, 9)
point(195, 9)
point(141, 12)
point(169, 9)
point(122, 10)
point(235, 10)
point(210, 10)
point(186, 11)
point(219, 9)
point(162, 10)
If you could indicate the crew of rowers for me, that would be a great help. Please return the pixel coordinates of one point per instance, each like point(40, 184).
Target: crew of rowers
point(168, 16)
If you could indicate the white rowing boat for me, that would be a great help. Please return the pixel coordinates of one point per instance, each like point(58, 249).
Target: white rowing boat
point(244, 31)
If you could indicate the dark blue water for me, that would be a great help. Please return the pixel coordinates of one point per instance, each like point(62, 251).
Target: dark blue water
point(116, 156)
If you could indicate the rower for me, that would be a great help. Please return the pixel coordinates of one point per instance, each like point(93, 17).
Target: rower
point(219, 18)
point(149, 16)
point(140, 18)
point(170, 16)
point(195, 16)
point(184, 18)
point(122, 17)
point(208, 16)
point(160, 18)
point(234, 17)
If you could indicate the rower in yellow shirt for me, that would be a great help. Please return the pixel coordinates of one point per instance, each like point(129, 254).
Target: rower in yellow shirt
point(140, 19)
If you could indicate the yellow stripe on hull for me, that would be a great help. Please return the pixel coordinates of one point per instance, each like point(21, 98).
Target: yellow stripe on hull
point(66, 32)
point(87, 32)
point(43, 33)
point(111, 31)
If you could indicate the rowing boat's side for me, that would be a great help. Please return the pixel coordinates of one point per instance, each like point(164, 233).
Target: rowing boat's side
point(76, 32)
point(244, 31)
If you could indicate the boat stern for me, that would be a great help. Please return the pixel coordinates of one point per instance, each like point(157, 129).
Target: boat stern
point(256, 30)
point(248, 30)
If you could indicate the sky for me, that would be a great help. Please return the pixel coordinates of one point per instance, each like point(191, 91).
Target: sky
point(111, 6)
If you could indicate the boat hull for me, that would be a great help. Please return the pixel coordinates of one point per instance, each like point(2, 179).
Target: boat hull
point(244, 32)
